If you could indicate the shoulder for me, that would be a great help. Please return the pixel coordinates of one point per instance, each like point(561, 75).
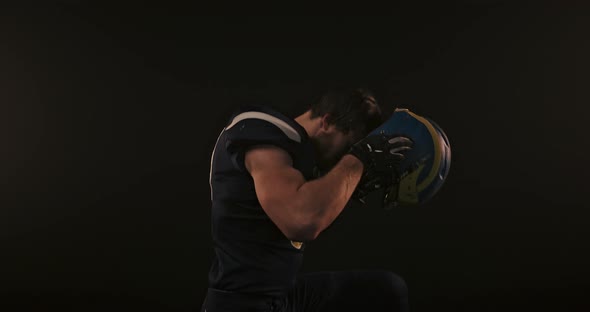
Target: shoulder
point(252, 126)
point(254, 120)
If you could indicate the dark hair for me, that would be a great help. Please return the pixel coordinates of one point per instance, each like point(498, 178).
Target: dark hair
point(349, 110)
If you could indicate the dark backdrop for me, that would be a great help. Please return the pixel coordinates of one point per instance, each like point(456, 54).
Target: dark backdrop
point(108, 116)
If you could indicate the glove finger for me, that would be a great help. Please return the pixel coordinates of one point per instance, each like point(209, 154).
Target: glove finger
point(400, 140)
point(399, 149)
point(394, 158)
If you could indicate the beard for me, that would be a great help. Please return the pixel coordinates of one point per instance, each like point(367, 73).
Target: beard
point(322, 159)
point(328, 152)
point(326, 165)
point(326, 159)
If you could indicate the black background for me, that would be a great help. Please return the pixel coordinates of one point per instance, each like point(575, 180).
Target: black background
point(108, 116)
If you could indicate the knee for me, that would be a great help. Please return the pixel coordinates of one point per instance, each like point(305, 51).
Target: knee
point(389, 282)
point(398, 284)
point(399, 291)
point(392, 290)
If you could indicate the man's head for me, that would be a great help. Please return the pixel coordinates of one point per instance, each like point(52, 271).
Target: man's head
point(338, 119)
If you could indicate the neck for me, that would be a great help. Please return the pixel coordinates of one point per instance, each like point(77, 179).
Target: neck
point(311, 126)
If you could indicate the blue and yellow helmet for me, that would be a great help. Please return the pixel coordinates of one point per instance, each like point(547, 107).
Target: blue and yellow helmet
point(426, 165)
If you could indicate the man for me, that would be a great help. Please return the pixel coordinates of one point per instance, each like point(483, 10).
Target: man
point(277, 183)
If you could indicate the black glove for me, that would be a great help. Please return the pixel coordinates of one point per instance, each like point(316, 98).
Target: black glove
point(380, 155)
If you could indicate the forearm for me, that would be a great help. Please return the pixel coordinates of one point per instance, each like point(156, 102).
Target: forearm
point(321, 200)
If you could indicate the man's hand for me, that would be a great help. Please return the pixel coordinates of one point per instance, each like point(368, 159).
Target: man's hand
point(380, 155)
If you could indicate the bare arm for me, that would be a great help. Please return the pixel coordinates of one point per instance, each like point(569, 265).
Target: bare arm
point(301, 209)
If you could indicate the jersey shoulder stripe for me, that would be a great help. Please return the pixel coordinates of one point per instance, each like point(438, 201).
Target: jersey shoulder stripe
point(287, 129)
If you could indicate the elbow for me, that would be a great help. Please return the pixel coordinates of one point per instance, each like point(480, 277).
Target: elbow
point(312, 236)
point(305, 221)
point(304, 233)
point(303, 236)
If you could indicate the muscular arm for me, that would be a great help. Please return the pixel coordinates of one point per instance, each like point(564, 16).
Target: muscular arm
point(301, 209)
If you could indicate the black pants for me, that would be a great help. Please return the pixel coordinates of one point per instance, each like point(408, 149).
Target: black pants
point(322, 291)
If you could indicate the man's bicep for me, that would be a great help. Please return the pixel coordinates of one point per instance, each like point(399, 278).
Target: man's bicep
point(276, 183)
point(274, 177)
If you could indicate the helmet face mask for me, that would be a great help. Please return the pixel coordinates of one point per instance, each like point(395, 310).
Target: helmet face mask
point(426, 165)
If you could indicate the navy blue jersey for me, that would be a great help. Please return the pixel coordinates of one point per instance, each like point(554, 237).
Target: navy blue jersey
point(251, 254)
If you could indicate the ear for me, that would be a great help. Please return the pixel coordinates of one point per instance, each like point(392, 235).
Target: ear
point(324, 124)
